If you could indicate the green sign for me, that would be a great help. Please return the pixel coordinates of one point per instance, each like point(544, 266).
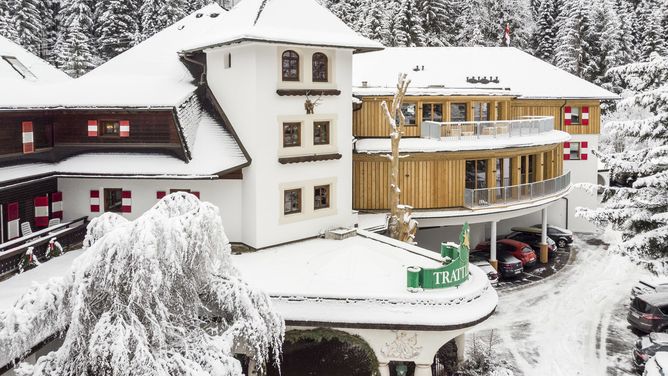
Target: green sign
point(455, 269)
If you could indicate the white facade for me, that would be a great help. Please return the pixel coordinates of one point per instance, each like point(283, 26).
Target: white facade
point(582, 171)
point(225, 194)
point(247, 93)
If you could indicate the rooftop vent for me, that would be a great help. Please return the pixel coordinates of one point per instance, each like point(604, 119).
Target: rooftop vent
point(418, 68)
point(482, 80)
point(365, 84)
point(199, 15)
point(181, 27)
point(214, 15)
point(340, 233)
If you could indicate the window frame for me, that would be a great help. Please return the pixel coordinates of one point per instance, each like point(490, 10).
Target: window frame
point(298, 209)
point(323, 58)
point(579, 115)
point(318, 206)
point(466, 112)
point(19, 67)
point(102, 128)
point(578, 151)
point(288, 124)
point(431, 106)
point(295, 60)
point(327, 124)
point(107, 200)
point(415, 112)
point(477, 110)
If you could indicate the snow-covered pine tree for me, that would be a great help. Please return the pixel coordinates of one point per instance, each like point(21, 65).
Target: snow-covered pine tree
point(75, 55)
point(408, 25)
point(434, 14)
point(117, 27)
point(498, 13)
point(651, 34)
point(374, 20)
point(616, 46)
point(544, 37)
point(577, 41)
point(7, 28)
point(640, 210)
point(28, 24)
point(49, 10)
point(470, 30)
point(155, 296)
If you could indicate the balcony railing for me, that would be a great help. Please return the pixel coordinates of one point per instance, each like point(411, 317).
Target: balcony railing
point(524, 126)
point(515, 194)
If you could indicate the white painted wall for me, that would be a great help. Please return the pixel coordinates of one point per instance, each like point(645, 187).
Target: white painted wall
point(225, 194)
point(247, 93)
point(582, 172)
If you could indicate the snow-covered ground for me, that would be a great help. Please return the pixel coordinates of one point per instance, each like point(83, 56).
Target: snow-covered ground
point(573, 323)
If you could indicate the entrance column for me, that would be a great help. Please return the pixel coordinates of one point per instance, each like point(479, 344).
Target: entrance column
point(422, 370)
point(384, 369)
point(492, 246)
point(543, 237)
point(460, 341)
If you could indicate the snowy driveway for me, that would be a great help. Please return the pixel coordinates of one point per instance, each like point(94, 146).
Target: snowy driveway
point(573, 323)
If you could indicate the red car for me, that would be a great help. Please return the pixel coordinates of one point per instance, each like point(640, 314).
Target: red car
point(519, 250)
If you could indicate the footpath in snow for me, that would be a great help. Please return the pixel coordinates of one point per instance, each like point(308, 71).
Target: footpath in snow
point(571, 324)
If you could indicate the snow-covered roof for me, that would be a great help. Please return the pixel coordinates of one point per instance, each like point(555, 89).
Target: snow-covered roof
point(444, 71)
point(425, 145)
point(314, 281)
point(302, 22)
point(214, 150)
point(23, 72)
point(148, 75)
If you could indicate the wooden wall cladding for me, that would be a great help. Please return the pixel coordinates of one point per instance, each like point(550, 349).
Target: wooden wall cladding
point(432, 180)
point(11, 138)
point(24, 195)
point(531, 107)
point(145, 128)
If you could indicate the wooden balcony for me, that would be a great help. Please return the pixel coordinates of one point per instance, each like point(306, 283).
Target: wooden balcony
point(516, 194)
point(473, 130)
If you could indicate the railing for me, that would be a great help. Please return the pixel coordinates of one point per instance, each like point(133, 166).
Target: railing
point(505, 196)
point(525, 126)
point(68, 235)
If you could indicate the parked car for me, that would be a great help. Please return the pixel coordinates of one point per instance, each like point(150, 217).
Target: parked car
point(649, 286)
point(657, 365)
point(561, 236)
point(648, 346)
point(519, 250)
point(533, 240)
point(480, 261)
point(509, 266)
point(649, 313)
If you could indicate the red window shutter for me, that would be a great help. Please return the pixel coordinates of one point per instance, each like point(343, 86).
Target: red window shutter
point(567, 151)
point(584, 156)
point(567, 157)
point(57, 205)
point(567, 145)
point(95, 201)
point(125, 128)
point(12, 220)
point(160, 194)
point(195, 193)
point(585, 116)
point(584, 145)
point(28, 138)
point(92, 128)
point(126, 205)
point(41, 211)
point(567, 115)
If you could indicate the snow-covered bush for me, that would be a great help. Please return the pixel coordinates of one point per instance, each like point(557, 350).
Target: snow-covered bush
point(154, 296)
point(483, 360)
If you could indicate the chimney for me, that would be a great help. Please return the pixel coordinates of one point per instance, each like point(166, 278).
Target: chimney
point(365, 84)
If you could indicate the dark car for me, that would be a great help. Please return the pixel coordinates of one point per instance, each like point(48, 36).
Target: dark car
point(561, 236)
point(648, 313)
point(521, 251)
point(509, 266)
point(480, 261)
point(649, 286)
point(647, 346)
point(533, 240)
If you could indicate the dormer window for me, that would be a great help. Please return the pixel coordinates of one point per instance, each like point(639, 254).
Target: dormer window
point(19, 67)
point(320, 67)
point(290, 65)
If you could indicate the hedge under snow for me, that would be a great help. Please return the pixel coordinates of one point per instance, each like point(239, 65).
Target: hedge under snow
point(154, 296)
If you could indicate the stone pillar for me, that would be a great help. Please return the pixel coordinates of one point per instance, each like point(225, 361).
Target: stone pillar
point(422, 370)
point(460, 341)
point(492, 246)
point(543, 237)
point(384, 369)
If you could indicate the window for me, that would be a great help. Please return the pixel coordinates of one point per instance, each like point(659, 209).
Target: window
point(432, 112)
point(19, 67)
point(575, 115)
point(320, 67)
point(503, 172)
point(290, 65)
point(291, 134)
point(527, 169)
point(476, 174)
point(481, 111)
point(292, 201)
point(458, 112)
point(575, 150)
point(321, 133)
point(113, 200)
point(110, 128)
point(408, 109)
point(321, 197)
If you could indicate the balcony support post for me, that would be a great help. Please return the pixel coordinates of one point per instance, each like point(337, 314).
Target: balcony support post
point(492, 246)
point(543, 237)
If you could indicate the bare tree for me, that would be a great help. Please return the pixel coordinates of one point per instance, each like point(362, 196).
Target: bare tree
point(401, 225)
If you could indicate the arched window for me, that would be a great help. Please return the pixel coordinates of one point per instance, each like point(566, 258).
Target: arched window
point(290, 66)
point(320, 67)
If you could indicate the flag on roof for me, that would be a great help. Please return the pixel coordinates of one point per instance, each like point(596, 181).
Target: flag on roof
point(506, 35)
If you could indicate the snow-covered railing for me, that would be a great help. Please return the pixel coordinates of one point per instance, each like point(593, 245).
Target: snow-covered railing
point(68, 234)
point(515, 194)
point(524, 126)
